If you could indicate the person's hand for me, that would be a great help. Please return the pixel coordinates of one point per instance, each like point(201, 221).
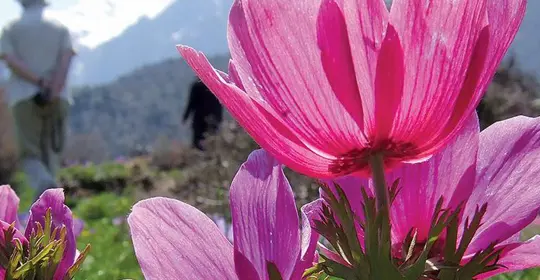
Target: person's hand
point(44, 83)
point(56, 89)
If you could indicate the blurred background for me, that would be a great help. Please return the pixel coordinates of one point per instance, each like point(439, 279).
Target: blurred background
point(127, 141)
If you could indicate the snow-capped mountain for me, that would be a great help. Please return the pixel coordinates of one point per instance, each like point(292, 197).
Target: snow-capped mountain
point(202, 24)
point(198, 23)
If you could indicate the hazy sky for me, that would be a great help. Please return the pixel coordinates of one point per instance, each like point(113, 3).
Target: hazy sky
point(94, 21)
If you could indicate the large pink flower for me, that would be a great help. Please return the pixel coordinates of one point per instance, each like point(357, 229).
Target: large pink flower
point(498, 167)
point(52, 199)
point(175, 241)
point(323, 84)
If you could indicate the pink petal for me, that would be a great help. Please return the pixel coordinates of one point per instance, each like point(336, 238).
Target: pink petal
point(309, 240)
point(18, 235)
point(174, 240)
point(502, 23)
point(288, 65)
point(259, 121)
point(233, 74)
point(507, 178)
point(53, 199)
point(449, 174)
point(310, 213)
point(337, 58)
point(264, 217)
point(504, 18)
point(366, 22)
point(438, 39)
point(520, 257)
point(9, 205)
point(389, 84)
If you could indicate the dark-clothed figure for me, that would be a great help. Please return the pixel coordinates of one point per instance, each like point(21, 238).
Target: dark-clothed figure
point(207, 113)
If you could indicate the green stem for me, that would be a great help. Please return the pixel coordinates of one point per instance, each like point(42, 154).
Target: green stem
point(381, 190)
point(385, 267)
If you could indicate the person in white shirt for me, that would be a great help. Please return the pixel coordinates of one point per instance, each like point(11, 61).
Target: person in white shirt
point(3, 75)
point(38, 52)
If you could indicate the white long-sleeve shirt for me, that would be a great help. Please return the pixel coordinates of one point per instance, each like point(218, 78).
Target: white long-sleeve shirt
point(38, 42)
point(3, 75)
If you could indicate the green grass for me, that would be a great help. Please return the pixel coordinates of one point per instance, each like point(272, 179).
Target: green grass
point(533, 274)
point(25, 193)
point(112, 256)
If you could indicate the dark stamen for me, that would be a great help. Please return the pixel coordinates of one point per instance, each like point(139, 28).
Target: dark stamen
point(357, 159)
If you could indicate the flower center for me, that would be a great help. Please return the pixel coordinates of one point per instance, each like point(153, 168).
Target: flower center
point(357, 159)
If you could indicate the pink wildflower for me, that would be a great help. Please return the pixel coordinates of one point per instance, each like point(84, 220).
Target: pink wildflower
point(322, 85)
point(51, 200)
point(173, 240)
point(496, 168)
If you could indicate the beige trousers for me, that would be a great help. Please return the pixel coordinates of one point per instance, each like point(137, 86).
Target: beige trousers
point(41, 133)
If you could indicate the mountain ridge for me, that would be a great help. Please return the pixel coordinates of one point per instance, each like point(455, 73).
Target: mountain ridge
point(138, 108)
point(201, 24)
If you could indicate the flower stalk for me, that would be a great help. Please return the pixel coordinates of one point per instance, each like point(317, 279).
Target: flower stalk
point(382, 197)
